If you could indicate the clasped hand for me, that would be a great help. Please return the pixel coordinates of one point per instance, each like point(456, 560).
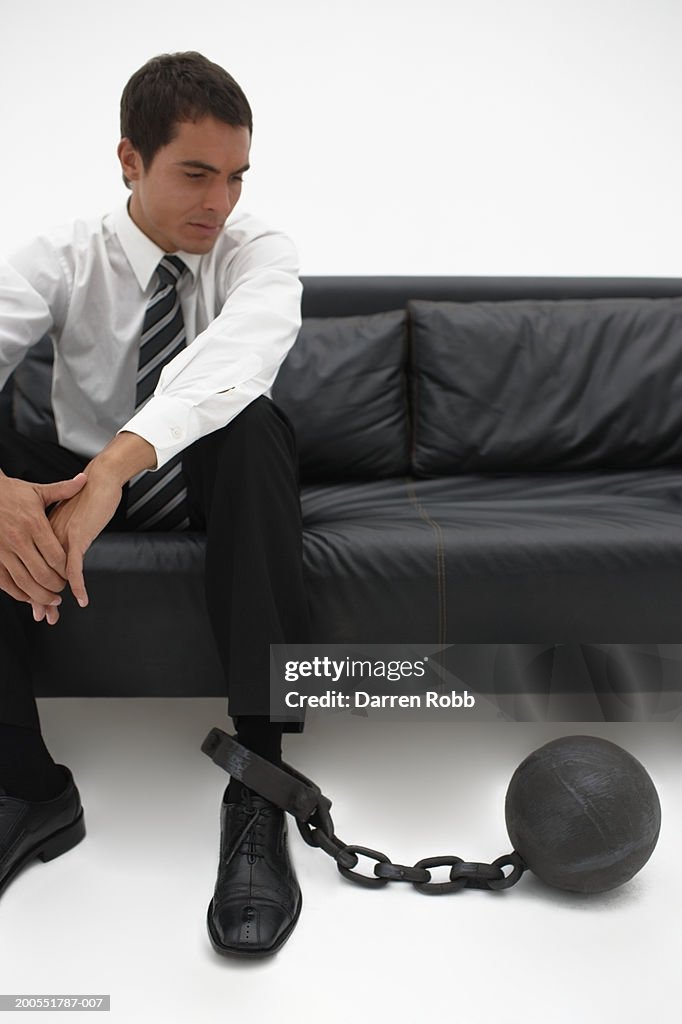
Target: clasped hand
point(40, 554)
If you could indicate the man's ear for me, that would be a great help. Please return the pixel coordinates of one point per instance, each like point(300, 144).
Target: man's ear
point(131, 161)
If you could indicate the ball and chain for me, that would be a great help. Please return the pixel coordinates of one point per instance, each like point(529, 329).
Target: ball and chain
point(582, 814)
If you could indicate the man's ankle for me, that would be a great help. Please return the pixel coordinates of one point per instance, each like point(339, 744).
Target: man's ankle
point(27, 770)
point(263, 737)
point(259, 734)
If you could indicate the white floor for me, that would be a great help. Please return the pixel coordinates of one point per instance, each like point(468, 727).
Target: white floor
point(124, 912)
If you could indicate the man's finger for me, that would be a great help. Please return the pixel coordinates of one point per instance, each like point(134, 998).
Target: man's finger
point(41, 572)
point(49, 547)
point(74, 574)
point(9, 586)
point(61, 490)
point(41, 611)
point(23, 580)
point(52, 615)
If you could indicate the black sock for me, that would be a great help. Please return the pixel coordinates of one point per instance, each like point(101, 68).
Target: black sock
point(257, 733)
point(27, 769)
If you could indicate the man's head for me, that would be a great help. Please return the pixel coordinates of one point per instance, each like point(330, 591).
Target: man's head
point(186, 131)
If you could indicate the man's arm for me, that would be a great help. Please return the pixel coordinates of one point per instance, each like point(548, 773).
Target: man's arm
point(32, 300)
point(236, 358)
point(40, 554)
point(32, 561)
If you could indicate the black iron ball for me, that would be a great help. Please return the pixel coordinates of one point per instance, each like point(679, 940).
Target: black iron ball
point(583, 813)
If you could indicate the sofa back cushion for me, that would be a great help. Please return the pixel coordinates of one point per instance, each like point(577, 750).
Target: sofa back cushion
point(578, 383)
point(343, 387)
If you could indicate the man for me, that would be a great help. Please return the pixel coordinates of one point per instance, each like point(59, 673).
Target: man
point(169, 320)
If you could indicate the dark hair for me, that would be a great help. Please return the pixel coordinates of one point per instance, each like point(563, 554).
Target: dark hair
point(176, 87)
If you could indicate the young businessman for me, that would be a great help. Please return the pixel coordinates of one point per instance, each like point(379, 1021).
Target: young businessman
point(169, 320)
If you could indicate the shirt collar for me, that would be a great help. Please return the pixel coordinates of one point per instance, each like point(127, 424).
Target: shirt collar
point(144, 255)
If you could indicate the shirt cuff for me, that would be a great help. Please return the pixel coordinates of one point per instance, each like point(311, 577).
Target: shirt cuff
point(165, 423)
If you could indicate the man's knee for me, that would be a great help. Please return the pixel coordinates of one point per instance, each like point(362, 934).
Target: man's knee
point(262, 413)
point(36, 459)
point(260, 438)
point(260, 424)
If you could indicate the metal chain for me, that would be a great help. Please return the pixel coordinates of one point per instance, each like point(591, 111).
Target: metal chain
point(463, 874)
point(294, 792)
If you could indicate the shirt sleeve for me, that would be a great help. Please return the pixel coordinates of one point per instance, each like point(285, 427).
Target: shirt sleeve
point(236, 359)
point(32, 299)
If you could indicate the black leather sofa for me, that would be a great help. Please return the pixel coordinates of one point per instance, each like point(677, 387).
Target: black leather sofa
point(483, 461)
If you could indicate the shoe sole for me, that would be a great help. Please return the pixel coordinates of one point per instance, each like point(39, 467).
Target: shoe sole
point(49, 848)
point(250, 953)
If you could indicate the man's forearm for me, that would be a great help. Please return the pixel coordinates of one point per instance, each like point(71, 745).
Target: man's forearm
point(125, 456)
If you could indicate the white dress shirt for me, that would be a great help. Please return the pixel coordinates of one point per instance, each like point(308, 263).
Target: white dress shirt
point(87, 285)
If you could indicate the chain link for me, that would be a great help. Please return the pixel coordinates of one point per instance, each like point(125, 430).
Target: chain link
point(319, 831)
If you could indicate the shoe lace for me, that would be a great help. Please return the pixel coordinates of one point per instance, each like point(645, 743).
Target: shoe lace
point(250, 840)
point(253, 846)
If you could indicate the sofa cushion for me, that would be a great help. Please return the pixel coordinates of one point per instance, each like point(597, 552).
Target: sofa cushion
point(527, 385)
point(343, 387)
point(496, 558)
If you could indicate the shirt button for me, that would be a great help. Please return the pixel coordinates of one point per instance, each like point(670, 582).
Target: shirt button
point(175, 432)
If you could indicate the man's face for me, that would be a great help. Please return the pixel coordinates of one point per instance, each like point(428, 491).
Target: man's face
point(184, 197)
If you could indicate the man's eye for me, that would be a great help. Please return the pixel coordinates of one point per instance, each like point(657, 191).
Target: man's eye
point(190, 175)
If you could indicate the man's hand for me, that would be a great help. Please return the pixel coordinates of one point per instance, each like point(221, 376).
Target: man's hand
point(32, 560)
point(79, 519)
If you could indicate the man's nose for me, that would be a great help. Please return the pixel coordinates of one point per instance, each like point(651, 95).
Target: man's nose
point(218, 199)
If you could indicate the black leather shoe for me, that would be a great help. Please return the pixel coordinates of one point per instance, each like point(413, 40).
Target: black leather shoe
point(41, 828)
point(257, 898)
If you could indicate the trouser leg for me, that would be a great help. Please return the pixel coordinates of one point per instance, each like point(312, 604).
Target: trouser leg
point(243, 490)
point(17, 702)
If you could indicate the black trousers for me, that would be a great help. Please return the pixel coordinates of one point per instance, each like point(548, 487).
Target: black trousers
point(242, 489)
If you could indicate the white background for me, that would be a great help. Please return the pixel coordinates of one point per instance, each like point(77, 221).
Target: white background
point(390, 137)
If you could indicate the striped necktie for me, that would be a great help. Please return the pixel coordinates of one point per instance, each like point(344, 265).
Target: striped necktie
point(157, 500)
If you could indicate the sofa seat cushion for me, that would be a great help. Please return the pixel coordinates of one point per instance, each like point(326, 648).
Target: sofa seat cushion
point(584, 557)
point(540, 558)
